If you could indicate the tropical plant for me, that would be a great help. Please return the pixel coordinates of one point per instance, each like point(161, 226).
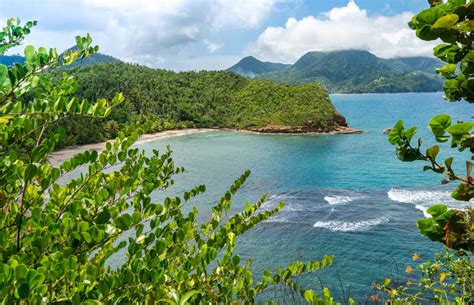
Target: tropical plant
point(448, 279)
point(451, 22)
point(57, 236)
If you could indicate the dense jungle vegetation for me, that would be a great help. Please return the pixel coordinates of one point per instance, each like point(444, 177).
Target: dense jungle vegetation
point(157, 100)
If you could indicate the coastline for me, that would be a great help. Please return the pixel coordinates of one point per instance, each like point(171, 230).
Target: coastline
point(57, 157)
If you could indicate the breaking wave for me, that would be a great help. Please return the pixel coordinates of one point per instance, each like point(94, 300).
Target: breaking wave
point(343, 226)
point(423, 199)
point(335, 200)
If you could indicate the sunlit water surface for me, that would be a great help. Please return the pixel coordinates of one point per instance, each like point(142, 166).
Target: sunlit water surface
point(345, 195)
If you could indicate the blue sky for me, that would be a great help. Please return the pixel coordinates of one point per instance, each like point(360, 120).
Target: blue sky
point(214, 34)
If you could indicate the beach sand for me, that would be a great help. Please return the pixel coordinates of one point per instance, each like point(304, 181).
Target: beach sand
point(62, 155)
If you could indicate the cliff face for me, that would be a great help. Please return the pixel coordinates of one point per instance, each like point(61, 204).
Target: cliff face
point(340, 120)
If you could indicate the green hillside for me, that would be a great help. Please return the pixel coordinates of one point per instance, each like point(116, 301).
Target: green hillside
point(159, 99)
point(360, 72)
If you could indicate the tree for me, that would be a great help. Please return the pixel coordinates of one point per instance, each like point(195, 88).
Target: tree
point(452, 22)
point(56, 238)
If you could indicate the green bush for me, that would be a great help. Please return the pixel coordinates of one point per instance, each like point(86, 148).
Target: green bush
point(56, 238)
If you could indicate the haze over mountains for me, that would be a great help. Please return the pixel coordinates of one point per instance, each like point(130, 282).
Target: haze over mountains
point(349, 72)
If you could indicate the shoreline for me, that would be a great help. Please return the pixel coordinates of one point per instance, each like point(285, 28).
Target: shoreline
point(59, 156)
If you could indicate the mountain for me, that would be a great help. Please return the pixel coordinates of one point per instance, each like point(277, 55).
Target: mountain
point(250, 66)
point(9, 60)
point(360, 72)
point(97, 58)
point(94, 59)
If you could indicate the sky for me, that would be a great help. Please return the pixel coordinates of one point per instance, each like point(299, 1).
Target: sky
point(215, 34)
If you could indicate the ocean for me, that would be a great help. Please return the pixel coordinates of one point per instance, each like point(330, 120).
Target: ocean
point(345, 195)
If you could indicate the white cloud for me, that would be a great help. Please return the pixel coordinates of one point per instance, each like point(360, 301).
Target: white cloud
point(341, 28)
point(213, 46)
point(145, 31)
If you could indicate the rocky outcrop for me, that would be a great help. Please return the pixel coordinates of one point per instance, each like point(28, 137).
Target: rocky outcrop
point(339, 127)
point(340, 120)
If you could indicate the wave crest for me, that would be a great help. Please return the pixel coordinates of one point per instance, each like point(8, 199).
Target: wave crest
point(343, 226)
point(335, 200)
point(424, 199)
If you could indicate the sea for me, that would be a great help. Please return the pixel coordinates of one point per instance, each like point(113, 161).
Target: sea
point(345, 195)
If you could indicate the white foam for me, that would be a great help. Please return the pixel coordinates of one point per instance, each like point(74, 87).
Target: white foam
point(423, 199)
point(343, 226)
point(335, 200)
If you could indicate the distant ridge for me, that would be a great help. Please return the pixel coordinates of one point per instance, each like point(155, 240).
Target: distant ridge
point(250, 66)
point(350, 71)
point(10, 60)
point(94, 59)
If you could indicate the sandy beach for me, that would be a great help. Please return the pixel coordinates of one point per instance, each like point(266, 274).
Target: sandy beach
point(59, 156)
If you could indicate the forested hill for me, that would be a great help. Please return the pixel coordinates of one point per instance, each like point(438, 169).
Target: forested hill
point(250, 66)
point(360, 72)
point(159, 99)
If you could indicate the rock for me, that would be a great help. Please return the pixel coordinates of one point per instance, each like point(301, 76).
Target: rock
point(340, 120)
point(282, 129)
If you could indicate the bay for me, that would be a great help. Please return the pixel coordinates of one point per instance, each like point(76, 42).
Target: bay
point(345, 195)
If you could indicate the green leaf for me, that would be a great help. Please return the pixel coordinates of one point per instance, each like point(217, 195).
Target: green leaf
point(429, 16)
point(437, 210)
point(466, 26)
point(463, 192)
point(446, 22)
point(396, 133)
point(185, 297)
point(407, 154)
point(308, 295)
point(30, 53)
point(23, 290)
point(103, 217)
point(410, 133)
point(438, 125)
point(124, 221)
point(432, 152)
point(30, 171)
point(460, 128)
point(430, 228)
point(3, 74)
point(36, 281)
point(448, 71)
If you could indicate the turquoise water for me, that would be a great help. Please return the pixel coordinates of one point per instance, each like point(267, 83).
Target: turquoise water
point(346, 195)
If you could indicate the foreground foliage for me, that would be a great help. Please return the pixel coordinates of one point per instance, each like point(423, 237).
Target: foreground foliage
point(455, 228)
point(448, 279)
point(56, 237)
point(452, 22)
